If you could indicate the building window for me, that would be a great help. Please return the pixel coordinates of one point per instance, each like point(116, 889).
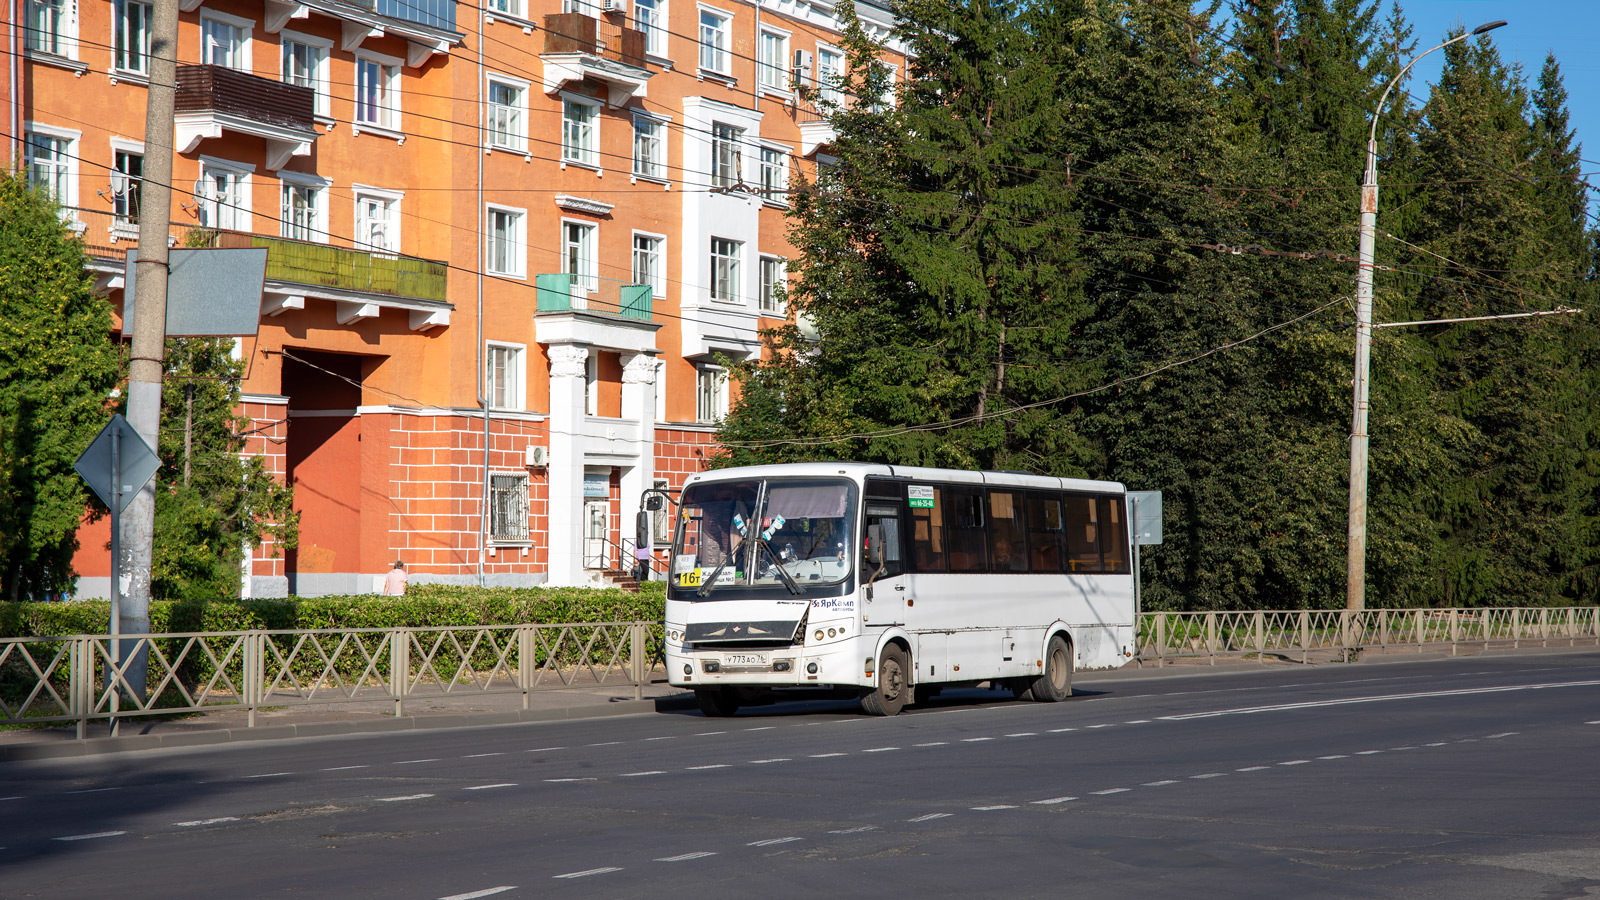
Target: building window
point(726, 154)
point(127, 186)
point(725, 269)
point(131, 43)
point(508, 507)
point(377, 221)
point(222, 196)
point(378, 92)
point(302, 211)
point(507, 111)
point(660, 522)
point(50, 166)
point(774, 61)
point(578, 258)
point(830, 71)
point(774, 174)
point(650, 17)
point(714, 28)
point(504, 376)
point(772, 284)
point(305, 63)
point(649, 147)
point(509, 7)
point(711, 395)
point(647, 263)
point(225, 41)
point(578, 132)
point(50, 27)
point(505, 242)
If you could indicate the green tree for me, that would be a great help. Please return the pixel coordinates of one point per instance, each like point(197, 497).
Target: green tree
point(57, 366)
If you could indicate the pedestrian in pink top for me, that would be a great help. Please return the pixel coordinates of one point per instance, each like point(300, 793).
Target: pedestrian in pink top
point(395, 584)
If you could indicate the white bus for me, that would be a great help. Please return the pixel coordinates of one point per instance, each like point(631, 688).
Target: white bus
point(893, 582)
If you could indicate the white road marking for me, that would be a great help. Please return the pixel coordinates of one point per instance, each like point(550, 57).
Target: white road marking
point(930, 817)
point(1402, 748)
point(1252, 768)
point(762, 762)
point(1467, 741)
point(1023, 734)
point(406, 797)
point(662, 738)
point(931, 744)
point(603, 744)
point(103, 790)
point(974, 740)
point(1208, 775)
point(640, 774)
point(1158, 783)
point(1106, 725)
point(1501, 735)
point(1336, 756)
point(991, 808)
point(269, 775)
point(198, 822)
point(762, 728)
point(1435, 744)
point(1295, 762)
point(1367, 752)
point(587, 872)
point(17, 797)
point(412, 762)
point(698, 854)
point(489, 787)
point(344, 768)
point(486, 892)
point(90, 837)
point(1595, 722)
point(770, 841)
point(712, 766)
point(479, 756)
point(1111, 791)
point(543, 749)
point(1052, 801)
point(707, 733)
point(564, 780)
point(880, 749)
point(1138, 722)
point(1059, 730)
point(1345, 701)
point(825, 755)
point(857, 830)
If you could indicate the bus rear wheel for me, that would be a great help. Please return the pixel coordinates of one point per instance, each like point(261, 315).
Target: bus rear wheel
point(1056, 682)
point(716, 702)
point(893, 688)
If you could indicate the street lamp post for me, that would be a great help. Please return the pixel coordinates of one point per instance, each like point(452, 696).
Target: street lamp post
point(1356, 568)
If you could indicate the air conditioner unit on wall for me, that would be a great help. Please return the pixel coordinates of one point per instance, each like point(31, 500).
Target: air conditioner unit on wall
point(536, 457)
point(614, 6)
point(802, 67)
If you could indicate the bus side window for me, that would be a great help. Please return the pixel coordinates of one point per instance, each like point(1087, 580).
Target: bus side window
point(967, 535)
point(927, 535)
point(887, 515)
point(1008, 545)
point(1113, 536)
point(1083, 537)
point(1045, 531)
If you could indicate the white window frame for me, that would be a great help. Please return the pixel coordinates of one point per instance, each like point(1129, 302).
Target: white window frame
point(826, 78)
point(237, 216)
point(710, 394)
point(516, 367)
point(391, 224)
point(322, 51)
point(387, 105)
point(61, 39)
point(124, 12)
point(64, 169)
point(517, 251)
point(727, 155)
point(508, 122)
point(715, 56)
point(316, 225)
point(508, 515)
point(725, 270)
point(125, 209)
point(656, 31)
point(244, 29)
point(505, 7)
point(573, 150)
point(773, 76)
point(777, 267)
point(659, 127)
point(775, 162)
point(586, 267)
point(656, 276)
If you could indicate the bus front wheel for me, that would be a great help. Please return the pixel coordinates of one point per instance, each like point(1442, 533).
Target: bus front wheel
point(1056, 682)
point(894, 686)
point(716, 702)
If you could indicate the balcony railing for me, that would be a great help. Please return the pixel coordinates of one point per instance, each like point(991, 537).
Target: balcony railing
point(558, 293)
point(219, 89)
point(303, 262)
point(580, 33)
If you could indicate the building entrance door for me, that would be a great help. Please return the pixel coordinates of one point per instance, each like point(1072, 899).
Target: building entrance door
point(596, 528)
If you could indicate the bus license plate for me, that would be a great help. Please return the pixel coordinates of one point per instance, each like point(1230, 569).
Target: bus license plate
point(746, 659)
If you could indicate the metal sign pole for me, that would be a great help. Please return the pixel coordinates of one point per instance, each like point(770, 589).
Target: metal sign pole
point(116, 573)
point(1138, 593)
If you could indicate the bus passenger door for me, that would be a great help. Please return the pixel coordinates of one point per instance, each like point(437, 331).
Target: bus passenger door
point(885, 596)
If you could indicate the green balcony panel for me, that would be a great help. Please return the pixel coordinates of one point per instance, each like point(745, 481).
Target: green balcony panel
point(636, 301)
point(554, 292)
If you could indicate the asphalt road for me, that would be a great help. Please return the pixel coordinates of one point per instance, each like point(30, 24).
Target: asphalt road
point(1457, 779)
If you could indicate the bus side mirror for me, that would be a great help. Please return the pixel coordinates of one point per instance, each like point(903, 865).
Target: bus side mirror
point(874, 545)
point(655, 502)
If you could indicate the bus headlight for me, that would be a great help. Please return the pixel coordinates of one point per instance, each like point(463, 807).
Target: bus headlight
point(688, 669)
point(819, 634)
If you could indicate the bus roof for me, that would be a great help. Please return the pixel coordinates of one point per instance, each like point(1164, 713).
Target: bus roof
point(857, 471)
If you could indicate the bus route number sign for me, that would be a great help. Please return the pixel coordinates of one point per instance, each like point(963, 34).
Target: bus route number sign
point(919, 496)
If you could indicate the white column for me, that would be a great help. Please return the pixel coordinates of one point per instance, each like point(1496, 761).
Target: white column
point(638, 405)
point(565, 538)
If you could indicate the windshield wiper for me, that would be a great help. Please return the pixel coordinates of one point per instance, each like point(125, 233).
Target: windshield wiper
point(788, 580)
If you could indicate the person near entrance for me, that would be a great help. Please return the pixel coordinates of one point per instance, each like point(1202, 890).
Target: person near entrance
point(395, 584)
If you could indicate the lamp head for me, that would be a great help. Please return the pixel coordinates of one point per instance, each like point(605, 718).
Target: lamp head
point(1488, 26)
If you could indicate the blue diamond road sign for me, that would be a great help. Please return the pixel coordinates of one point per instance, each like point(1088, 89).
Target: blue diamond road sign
point(139, 462)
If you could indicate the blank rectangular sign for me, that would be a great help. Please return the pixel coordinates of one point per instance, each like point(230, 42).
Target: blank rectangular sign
point(210, 293)
point(1147, 516)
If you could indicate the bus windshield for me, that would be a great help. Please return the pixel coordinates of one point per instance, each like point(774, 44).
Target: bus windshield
point(793, 533)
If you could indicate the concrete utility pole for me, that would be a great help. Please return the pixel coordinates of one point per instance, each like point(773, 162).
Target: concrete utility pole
point(1356, 560)
point(148, 357)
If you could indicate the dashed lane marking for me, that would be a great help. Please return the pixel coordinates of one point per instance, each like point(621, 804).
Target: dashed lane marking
point(709, 733)
point(1023, 734)
point(1342, 756)
point(412, 762)
point(1367, 752)
point(762, 762)
point(486, 892)
point(1295, 762)
point(930, 817)
point(489, 787)
point(667, 737)
point(479, 756)
point(931, 744)
point(1435, 744)
point(268, 775)
point(1059, 730)
point(856, 830)
point(103, 790)
point(771, 841)
point(1501, 735)
point(880, 749)
point(825, 755)
point(401, 799)
point(992, 808)
point(606, 744)
point(642, 774)
point(762, 728)
point(1052, 801)
point(1152, 784)
point(198, 822)
point(1105, 725)
point(17, 797)
point(1344, 701)
point(587, 872)
point(712, 766)
point(1252, 768)
point(90, 837)
point(564, 780)
point(344, 768)
point(975, 740)
point(1111, 791)
point(1138, 722)
point(1208, 775)
point(543, 749)
point(685, 857)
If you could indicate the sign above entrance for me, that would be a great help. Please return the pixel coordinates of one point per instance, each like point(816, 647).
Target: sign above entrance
point(596, 484)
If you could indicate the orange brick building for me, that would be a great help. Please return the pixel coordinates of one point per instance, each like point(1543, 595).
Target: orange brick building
point(504, 256)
